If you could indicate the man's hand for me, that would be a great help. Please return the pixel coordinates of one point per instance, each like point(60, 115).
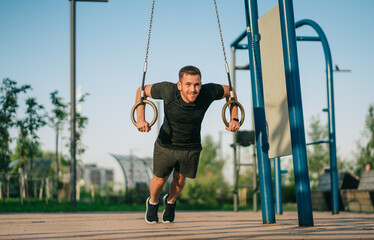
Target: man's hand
point(143, 126)
point(233, 126)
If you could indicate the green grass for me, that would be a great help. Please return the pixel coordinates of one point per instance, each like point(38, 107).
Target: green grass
point(36, 205)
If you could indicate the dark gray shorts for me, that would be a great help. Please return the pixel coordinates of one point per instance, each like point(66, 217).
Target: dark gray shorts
point(183, 161)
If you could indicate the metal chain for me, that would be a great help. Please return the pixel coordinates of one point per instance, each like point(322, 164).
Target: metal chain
point(143, 100)
point(223, 49)
point(255, 58)
point(147, 50)
point(220, 32)
point(150, 30)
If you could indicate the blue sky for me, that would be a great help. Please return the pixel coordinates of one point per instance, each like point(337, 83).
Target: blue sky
point(111, 42)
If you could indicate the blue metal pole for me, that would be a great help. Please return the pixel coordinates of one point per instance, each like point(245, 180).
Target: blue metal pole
point(262, 145)
point(278, 185)
point(304, 203)
point(331, 112)
point(307, 38)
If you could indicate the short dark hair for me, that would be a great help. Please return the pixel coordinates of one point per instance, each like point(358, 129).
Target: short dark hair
point(192, 70)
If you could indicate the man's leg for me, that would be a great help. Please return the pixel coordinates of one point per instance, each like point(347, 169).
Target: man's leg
point(155, 187)
point(176, 186)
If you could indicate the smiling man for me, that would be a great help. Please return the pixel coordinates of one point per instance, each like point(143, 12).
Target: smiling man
point(178, 146)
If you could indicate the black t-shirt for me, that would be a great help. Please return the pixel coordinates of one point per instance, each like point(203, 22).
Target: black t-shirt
point(182, 122)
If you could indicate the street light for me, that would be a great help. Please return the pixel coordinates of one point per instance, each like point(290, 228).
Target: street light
point(72, 99)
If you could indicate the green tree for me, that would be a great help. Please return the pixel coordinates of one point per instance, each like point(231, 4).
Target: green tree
point(82, 122)
point(366, 150)
point(57, 120)
point(22, 151)
point(34, 119)
point(9, 103)
point(318, 154)
point(22, 146)
point(209, 187)
point(63, 161)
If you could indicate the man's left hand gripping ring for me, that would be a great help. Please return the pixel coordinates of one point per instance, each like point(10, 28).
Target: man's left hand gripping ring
point(144, 102)
point(226, 106)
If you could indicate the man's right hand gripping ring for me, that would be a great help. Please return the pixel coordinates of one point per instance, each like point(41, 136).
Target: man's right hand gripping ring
point(241, 110)
point(144, 102)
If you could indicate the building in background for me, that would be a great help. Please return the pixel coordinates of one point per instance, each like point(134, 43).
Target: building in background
point(100, 179)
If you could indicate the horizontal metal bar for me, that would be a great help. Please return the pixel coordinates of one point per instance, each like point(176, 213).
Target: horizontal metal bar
point(236, 44)
point(242, 67)
point(308, 38)
point(90, 0)
point(238, 39)
point(242, 46)
point(317, 142)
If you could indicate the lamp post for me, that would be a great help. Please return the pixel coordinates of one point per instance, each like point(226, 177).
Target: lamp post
point(73, 171)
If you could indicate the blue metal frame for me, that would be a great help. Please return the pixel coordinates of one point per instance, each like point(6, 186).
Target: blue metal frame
point(278, 185)
point(295, 106)
point(330, 108)
point(330, 97)
point(291, 65)
point(262, 145)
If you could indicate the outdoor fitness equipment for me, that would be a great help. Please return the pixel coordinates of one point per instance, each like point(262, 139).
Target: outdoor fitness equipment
point(230, 103)
point(233, 100)
point(293, 88)
point(142, 100)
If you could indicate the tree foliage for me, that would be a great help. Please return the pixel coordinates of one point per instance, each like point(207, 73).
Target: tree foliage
point(57, 120)
point(22, 152)
point(318, 154)
point(82, 122)
point(209, 187)
point(28, 124)
point(366, 150)
point(59, 112)
point(9, 104)
point(34, 119)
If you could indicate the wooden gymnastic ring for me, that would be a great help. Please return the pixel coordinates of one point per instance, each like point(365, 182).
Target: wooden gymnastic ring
point(144, 102)
point(226, 106)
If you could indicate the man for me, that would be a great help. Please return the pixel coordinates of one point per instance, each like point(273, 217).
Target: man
point(178, 144)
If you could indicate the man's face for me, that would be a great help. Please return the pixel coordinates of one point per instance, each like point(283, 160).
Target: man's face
point(189, 86)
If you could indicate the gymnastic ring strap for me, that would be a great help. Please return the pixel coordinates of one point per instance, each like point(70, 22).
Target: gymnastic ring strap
point(144, 102)
point(232, 101)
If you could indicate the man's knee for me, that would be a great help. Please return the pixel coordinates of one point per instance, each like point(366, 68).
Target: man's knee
point(159, 181)
point(179, 179)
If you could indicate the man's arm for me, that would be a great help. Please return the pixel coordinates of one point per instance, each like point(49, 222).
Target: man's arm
point(234, 121)
point(141, 124)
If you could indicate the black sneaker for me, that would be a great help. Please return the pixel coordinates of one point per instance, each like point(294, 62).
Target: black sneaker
point(169, 211)
point(151, 212)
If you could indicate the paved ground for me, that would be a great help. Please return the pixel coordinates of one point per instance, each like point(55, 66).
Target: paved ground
point(188, 225)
